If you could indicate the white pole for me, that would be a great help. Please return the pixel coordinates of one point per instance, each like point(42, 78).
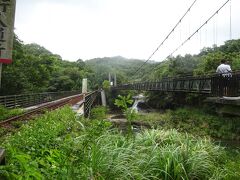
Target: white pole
point(115, 80)
point(109, 78)
point(103, 98)
point(84, 85)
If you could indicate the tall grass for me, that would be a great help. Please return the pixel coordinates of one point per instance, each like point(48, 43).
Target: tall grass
point(59, 146)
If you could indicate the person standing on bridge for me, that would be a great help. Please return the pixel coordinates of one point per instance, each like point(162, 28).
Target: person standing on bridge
point(224, 68)
point(225, 72)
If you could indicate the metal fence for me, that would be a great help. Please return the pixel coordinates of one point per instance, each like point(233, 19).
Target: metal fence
point(27, 100)
point(88, 102)
point(215, 85)
point(226, 85)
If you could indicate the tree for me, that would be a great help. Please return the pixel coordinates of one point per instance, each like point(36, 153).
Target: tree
point(106, 85)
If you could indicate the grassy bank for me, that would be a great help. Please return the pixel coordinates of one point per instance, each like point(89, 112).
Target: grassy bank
point(59, 145)
point(197, 122)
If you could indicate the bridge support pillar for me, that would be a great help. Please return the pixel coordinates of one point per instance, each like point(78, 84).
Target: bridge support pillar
point(115, 80)
point(84, 85)
point(103, 98)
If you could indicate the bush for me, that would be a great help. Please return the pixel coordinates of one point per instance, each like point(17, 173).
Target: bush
point(99, 112)
point(198, 122)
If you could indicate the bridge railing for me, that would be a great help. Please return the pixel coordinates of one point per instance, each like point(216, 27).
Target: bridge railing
point(213, 84)
point(27, 100)
point(192, 84)
point(88, 102)
point(226, 85)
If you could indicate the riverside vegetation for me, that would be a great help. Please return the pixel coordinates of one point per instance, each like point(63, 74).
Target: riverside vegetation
point(195, 121)
point(59, 145)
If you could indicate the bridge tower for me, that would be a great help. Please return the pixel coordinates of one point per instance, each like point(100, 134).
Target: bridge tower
point(113, 82)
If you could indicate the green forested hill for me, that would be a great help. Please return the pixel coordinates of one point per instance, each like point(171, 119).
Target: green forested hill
point(124, 68)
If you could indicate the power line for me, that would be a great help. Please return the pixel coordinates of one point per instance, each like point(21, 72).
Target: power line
point(189, 38)
point(166, 37)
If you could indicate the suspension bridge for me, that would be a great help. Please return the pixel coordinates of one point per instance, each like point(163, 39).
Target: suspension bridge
point(213, 85)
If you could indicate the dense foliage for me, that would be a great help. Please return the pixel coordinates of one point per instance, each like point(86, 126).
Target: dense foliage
point(196, 121)
point(61, 146)
point(35, 69)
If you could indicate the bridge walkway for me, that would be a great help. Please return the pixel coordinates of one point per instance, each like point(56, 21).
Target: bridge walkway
point(212, 85)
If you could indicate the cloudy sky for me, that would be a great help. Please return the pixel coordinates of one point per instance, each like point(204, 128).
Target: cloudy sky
point(131, 28)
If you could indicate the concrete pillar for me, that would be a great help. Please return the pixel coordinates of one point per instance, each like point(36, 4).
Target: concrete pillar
point(115, 80)
point(103, 98)
point(109, 78)
point(84, 85)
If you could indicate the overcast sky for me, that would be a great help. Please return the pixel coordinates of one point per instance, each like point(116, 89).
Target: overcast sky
point(131, 28)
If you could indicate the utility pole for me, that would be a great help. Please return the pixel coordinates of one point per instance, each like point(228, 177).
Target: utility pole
point(7, 16)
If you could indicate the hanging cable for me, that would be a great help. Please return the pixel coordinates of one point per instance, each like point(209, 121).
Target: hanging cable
point(166, 37)
point(214, 34)
point(230, 20)
point(217, 30)
point(200, 39)
point(189, 38)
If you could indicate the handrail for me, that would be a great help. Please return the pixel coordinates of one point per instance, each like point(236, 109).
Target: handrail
point(26, 100)
point(215, 84)
point(88, 102)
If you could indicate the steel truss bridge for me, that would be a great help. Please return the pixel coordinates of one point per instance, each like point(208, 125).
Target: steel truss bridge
point(214, 85)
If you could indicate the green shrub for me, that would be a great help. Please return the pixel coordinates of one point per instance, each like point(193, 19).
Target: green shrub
point(198, 122)
point(99, 112)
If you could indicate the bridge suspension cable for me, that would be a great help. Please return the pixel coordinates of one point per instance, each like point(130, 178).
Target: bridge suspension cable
point(196, 31)
point(188, 10)
point(230, 19)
